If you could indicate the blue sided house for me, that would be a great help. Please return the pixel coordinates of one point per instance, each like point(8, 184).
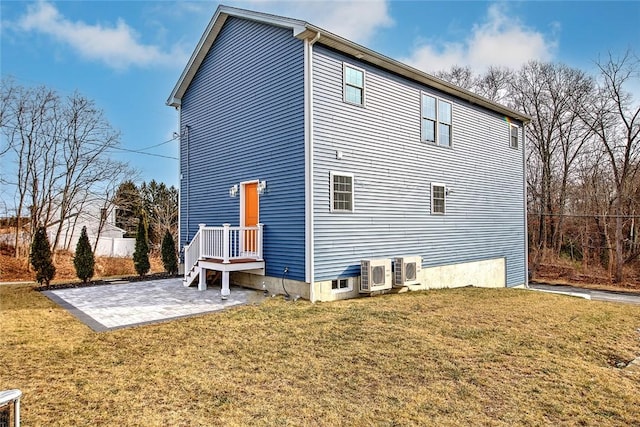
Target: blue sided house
point(313, 164)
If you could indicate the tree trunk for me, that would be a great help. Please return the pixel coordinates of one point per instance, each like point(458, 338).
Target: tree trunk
point(618, 276)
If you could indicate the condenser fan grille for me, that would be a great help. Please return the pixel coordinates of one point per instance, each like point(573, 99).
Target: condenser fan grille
point(377, 275)
point(410, 271)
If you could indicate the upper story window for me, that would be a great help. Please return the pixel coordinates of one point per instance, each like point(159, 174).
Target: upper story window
point(513, 136)
point(353, 84)
point(438, 198)
point(341, 192)
point(436, 120)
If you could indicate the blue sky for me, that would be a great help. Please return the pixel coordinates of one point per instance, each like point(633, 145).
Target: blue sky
point(127, 55)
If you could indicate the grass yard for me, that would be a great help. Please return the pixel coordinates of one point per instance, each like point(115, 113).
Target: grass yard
point(445, 357)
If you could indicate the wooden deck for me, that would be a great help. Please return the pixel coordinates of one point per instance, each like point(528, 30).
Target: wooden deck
point(231, 261)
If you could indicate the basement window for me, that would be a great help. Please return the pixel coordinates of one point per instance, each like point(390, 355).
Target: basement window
point(340, 285)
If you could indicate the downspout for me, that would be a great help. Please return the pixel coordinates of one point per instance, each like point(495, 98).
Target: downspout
point(308, 96)
point(524, 192)
point(180, 177)
point(186, 128)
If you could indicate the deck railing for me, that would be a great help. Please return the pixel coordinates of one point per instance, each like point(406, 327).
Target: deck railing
point(225, 243)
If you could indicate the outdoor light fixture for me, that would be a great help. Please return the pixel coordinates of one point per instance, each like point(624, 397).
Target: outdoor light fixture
point(233, 191)
point(262, 186)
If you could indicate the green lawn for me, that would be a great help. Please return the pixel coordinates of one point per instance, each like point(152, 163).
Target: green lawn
point(445, 357)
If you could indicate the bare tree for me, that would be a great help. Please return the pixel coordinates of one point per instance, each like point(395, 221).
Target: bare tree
point(60, 150)
point(28, 117)
point(495, 85)
point(614, 117)
point(551, 94)
point(459, 76)
point(87, 137)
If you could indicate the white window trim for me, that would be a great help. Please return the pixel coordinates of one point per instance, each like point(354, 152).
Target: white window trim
point(349, 287)
point(437, 184)
point(344, 84)
point(353, 192)
point(511, 127)
point(437, 121)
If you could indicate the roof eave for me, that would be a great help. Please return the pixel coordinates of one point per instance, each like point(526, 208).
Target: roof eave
point(303, 30)
point(368, 55)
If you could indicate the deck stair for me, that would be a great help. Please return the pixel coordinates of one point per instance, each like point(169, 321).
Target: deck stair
point(223, 249)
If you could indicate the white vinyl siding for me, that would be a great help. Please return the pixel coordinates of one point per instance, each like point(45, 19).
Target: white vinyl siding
point(393, 172)
point(353, 85)
point(438, 199)
point(436, 120)
point(341, 192)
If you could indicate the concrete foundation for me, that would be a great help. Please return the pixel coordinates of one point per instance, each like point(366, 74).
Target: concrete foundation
point(489, 273)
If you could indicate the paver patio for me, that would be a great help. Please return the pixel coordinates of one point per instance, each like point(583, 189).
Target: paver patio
point(123, 305)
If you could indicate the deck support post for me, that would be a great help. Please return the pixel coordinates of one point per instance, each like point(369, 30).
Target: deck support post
point(202, 283)
point(225, 292)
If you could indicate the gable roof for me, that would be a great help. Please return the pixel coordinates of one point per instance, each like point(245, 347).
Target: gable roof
point(304, 30)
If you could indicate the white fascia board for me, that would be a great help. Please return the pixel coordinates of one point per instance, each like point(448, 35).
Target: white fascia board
point(266, 18)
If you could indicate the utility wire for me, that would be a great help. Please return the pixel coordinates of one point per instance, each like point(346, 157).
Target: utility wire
point(158, 145)
point(138, 151)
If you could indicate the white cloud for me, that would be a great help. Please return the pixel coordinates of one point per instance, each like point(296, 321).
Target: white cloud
point(117, 46)
point(356, 20)
point(500, 40)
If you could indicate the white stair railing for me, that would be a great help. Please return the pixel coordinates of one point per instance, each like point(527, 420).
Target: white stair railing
point(224, 243)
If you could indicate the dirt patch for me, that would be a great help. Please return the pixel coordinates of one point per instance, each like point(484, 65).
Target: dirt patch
point(595, 277)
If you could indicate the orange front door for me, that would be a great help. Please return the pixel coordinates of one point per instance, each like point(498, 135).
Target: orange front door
point(250, 215)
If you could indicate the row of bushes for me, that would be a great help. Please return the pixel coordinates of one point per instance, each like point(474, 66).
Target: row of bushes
point(84, 260)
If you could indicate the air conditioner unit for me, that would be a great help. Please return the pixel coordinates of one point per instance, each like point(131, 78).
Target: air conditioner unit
point(375, 275)
point(406, 270)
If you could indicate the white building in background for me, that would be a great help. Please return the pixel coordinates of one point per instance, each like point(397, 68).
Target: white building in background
point(100, 223)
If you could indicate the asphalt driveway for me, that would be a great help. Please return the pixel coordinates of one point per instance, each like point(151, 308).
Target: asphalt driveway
point(592, 294)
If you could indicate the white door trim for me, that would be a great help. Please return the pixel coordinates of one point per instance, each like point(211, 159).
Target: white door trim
point(242, 201)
